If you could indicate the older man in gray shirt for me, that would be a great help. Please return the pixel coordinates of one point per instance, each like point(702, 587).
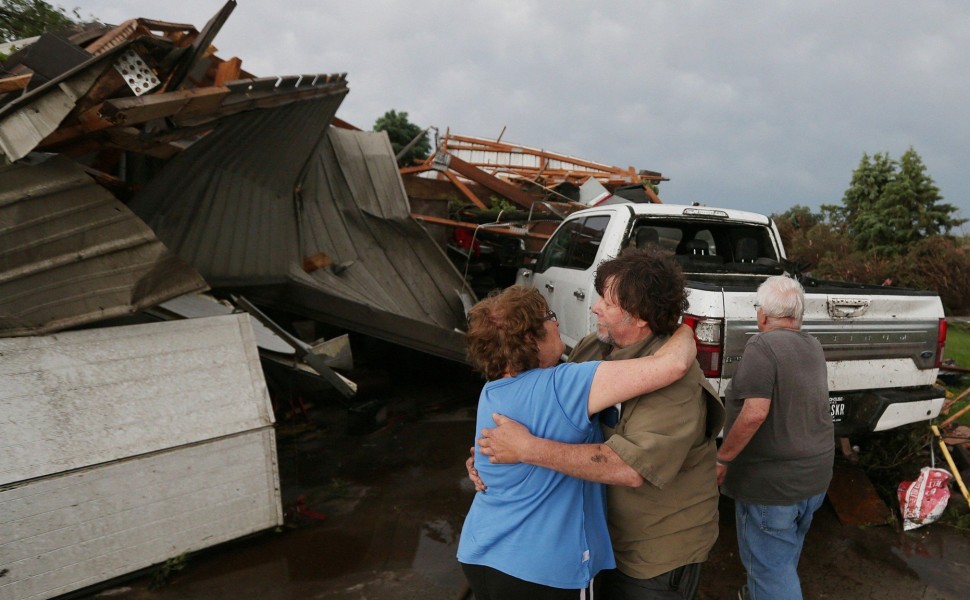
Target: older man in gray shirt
point(779, 442)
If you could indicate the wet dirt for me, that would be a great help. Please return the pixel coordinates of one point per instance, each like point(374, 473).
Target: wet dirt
point(377, 515)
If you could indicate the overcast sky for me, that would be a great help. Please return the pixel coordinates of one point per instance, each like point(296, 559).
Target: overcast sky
point(756, 105)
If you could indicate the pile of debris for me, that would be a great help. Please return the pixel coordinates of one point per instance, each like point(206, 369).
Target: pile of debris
point(139, 170)
point(244, 183)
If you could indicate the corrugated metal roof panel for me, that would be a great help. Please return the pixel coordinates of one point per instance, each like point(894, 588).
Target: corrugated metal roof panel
point(226, 204)
point(361, 213)
point(267, 189)
point(399, 285)
point(70, 253)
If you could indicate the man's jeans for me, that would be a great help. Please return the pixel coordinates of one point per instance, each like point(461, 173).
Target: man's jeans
point(770, 542)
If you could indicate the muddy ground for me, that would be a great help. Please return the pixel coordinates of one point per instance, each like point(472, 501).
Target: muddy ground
point(375, 497)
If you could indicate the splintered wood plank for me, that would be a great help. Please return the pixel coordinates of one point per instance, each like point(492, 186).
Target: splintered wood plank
point(228, 70)
point(128, 111)
point(204, 101)
point(18, 82)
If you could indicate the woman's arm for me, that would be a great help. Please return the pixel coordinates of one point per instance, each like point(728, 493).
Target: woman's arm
point(620, 380)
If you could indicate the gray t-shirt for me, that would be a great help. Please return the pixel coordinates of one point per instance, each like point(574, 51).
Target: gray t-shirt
point(790, 456)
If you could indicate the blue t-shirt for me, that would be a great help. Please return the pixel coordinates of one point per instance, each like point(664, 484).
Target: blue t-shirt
point(535, 523)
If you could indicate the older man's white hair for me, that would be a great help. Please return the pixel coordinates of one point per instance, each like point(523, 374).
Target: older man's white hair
point(782, 297)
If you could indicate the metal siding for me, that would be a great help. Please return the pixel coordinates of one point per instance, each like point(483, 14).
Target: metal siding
point(83, 398)
point(226, 204)
point(361, 205)
point(249, 201)
point(70, 253)
point(70, 531)
point(123, 447)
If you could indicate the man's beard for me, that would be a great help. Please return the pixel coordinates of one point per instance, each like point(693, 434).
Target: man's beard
point(606, 338)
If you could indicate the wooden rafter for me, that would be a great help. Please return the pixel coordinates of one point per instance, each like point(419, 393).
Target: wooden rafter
point(533, 164)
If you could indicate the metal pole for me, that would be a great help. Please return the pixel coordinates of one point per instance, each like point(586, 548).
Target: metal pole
point(949, 461)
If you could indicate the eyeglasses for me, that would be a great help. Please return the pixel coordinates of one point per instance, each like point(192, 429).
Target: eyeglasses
point(550, 316)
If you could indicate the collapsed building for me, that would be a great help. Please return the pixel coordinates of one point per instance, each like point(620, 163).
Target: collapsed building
point(144, 177)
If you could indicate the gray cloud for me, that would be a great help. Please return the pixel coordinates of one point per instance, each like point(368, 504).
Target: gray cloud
point(756, 105)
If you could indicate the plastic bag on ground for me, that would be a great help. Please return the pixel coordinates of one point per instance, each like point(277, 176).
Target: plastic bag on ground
point(923, 501)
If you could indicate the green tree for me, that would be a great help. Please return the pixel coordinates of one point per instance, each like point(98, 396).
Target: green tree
point(403, 132)
point(811, 240)
point(890, 204)
point(21, 19)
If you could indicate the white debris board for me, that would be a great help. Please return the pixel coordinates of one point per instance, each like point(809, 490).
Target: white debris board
point(123, 447)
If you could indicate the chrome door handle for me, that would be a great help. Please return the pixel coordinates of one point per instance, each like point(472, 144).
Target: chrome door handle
point(550, 287)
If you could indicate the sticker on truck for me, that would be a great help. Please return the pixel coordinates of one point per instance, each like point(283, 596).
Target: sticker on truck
point(837, 408)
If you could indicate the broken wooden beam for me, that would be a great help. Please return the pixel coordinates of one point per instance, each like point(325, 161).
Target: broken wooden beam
point(17, 82)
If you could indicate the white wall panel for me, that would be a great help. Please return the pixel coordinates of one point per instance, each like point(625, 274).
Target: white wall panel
point(184, 459)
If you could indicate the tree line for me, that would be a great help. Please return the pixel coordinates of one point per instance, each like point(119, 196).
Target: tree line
point(891, 228)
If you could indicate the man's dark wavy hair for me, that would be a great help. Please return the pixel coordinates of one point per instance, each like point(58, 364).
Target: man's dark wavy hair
point(647, 284)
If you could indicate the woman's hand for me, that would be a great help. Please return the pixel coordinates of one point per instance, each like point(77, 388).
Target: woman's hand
point(473, 472)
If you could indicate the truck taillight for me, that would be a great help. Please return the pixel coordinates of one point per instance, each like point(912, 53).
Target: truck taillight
point(940, 343)
point(465, 240)
point(708, 335)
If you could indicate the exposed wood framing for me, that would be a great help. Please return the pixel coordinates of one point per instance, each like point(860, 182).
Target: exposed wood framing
point(515, 230)
point(533, 164)
point(228, 70)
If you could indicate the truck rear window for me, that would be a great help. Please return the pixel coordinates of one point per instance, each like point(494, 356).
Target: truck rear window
point(704, 246)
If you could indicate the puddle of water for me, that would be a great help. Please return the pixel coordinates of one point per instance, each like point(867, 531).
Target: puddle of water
point(435, 556)
point(938, 559)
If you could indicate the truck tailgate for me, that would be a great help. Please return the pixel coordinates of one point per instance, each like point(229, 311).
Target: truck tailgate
point(873, 337)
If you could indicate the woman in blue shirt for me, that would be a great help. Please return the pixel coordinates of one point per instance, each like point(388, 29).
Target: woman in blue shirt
point(537, 533)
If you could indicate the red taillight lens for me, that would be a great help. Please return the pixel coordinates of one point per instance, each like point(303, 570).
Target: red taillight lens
point(465, 239)
point(708, 335)
point(940, 343)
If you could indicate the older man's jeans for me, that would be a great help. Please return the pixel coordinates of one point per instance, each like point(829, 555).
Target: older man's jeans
point(770, 542)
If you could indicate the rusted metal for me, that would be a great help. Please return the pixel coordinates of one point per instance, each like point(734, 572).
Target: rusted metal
point(855, 499)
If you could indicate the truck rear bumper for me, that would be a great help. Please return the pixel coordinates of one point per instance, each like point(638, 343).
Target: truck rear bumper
point(867, 411)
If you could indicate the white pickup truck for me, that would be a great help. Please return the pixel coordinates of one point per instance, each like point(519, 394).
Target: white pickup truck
point(883, 344)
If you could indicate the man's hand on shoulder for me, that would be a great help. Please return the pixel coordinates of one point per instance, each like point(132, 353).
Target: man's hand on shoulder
point(509, 442)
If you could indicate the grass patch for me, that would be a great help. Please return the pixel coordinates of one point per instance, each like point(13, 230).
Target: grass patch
point(958, 343)
point(958, 349)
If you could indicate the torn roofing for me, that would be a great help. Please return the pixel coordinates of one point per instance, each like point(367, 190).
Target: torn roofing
point(30, 118)
point(267, 190)
point(71, 254)
point(400, 286)
point(226, 204)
